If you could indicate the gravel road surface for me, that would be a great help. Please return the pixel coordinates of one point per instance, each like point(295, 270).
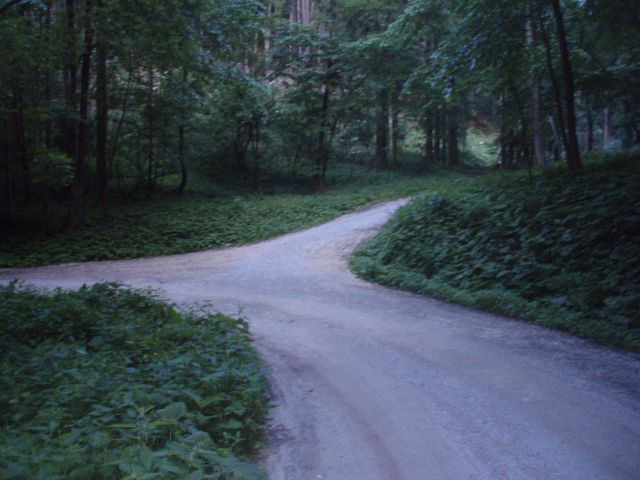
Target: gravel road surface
point(375, 384)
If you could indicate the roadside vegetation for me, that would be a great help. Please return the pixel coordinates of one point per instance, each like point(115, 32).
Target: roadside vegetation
point(558, 250)
point(203, 219)
point(108, 382)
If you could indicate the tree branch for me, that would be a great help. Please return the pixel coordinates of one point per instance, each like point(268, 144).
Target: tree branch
point(8, 6)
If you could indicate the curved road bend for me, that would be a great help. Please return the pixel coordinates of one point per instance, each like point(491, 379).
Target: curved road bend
point(377, 384)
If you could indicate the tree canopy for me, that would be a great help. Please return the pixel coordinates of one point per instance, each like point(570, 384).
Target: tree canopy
point(120, 98)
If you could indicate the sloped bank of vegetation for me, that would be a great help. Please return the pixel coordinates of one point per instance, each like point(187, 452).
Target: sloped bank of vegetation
point(108, 382)
point(561, 251)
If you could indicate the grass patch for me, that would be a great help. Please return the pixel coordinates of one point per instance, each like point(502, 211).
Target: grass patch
point(174, 225)
point(561, 251)
point(108, 382)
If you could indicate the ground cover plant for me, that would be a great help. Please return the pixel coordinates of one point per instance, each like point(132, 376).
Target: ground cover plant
point(549, 247)
point(108, 382)
point(198, 221)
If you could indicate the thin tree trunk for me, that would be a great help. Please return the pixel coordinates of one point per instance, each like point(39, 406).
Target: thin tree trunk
point(437, 134)
point(556, 88)
point(116, 135)
point(382, 130)
point(77, 189)
point(589, 130)
point(395, 132)
point(48, 80)
point(538, 127)
point(6, 157)
point(556, 139)
point(102, 112)
point(257, 172)
point(150, 129)
point(428, 144)
point(606, 126)
point(71, 85)
point(454, 153)
point(181, 147)
point(628, 137)
point(21, 144)
point(573, 154)
point(323, 149)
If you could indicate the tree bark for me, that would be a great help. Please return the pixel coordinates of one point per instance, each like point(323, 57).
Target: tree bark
point(437, 134)
point(150, 128)
point(71, 85)
point(454, 153)
point(573, 153)
point(181, 147)
point(395, 132)
point(6, 161)
point(323, 149)
point(382, 131)
point(606, 126)
point(48, 135)
point(102, 119)
point(21, 144)
point(428, 144)
point(77, 189)
point(556, 89)
point(589, 130)
point(556, 139)
point(538, 126)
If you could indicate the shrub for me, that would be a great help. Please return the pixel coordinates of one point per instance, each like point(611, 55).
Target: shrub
point(108, 382)
point(551, 248)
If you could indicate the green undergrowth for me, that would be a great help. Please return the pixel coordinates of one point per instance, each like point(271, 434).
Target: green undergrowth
point(108, 383)
point(198, 222)
point(561, 251)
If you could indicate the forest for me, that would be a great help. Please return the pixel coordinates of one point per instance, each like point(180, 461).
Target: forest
point(144, 128)
point(104, 101)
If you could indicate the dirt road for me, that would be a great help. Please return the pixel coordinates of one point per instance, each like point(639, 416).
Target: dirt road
point(376, 384)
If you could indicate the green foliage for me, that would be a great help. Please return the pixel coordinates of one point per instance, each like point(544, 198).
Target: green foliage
point(179, 225)
point(108, 382)
point(561, 251)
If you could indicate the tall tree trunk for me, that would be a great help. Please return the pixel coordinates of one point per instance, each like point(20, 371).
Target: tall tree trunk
point(395, 132)
point(538, 126)
point(6, 161)
point(48, 135)
point(556, 88)
point(573, 153)
point(382, 130)
point(183, 164)
point(628, 133)
point(589, 130)
point(21, 144)
point(150, 128)
point(323, 147)
point(71, 85)
point(255, 150)
point(77, 189)
point(428, 144)
point(102, 119)
point(181, 146)
point(524, 131)
point(437, 135)
point(293, 11)
point(454, 153)
point(606, 126)
point(557, 143)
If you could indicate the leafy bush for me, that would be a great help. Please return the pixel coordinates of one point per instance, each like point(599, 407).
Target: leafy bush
point(108, 382)
point(561, 251)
